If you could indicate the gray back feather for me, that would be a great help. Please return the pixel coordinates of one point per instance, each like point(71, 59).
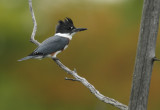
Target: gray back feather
point(51, 45)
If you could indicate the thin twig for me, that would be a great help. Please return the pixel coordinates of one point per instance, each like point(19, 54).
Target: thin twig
point(35, 25)
point(156, 59)
point(74, 72)
point(91, 87)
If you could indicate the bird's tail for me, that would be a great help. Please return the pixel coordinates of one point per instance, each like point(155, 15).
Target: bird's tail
point(26, 58)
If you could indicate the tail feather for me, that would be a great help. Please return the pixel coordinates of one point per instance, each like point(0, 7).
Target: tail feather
point(26, 58)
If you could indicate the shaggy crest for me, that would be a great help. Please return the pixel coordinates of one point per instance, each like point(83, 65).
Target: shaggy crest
point(65, 26)
point(66, 21)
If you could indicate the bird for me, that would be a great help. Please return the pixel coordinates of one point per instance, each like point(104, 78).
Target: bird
point(53, 45)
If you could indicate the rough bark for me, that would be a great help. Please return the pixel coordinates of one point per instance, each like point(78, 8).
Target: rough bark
point(145, 55)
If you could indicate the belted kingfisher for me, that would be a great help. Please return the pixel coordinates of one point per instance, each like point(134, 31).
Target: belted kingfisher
point(57, 43)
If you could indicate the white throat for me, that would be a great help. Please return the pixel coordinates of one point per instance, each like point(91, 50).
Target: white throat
point(69, 36)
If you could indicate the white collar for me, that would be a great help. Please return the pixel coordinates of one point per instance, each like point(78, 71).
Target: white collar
point(69, 36)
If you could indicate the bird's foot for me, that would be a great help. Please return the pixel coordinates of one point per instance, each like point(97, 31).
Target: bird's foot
point(54, 58)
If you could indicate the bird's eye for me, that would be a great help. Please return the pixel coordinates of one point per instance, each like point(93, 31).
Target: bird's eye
point(69, 28)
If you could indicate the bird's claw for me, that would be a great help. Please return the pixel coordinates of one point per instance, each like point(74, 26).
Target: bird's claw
point(54, 58)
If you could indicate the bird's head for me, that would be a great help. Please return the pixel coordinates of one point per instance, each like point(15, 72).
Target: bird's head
point(67, 27)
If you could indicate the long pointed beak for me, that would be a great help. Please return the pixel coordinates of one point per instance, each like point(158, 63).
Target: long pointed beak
point(79, 29)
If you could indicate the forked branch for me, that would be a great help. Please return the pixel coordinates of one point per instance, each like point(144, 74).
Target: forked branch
point(74, 73)
point(90, 87)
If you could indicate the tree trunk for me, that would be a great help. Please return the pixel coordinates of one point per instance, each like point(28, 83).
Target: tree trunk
point(145, 55)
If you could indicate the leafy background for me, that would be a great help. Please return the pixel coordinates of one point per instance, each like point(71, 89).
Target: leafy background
point(104, 55)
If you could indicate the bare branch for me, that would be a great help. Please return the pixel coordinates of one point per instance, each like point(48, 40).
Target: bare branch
point(74, 73)
point(35, 25)
point(71, 79)
point(91, 87)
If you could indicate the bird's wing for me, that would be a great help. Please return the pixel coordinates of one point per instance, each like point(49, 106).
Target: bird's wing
point(51, 45)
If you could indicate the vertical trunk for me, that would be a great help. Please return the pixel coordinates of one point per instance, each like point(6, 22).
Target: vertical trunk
point(145, 55)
